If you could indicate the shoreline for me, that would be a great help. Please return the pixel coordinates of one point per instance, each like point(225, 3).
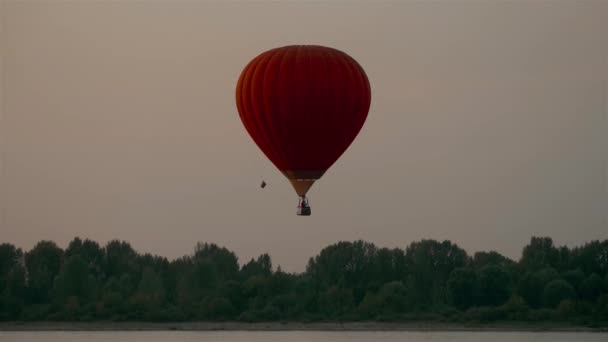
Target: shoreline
point(294, 326)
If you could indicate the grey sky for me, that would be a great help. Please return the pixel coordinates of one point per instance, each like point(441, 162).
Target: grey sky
point(488, 125)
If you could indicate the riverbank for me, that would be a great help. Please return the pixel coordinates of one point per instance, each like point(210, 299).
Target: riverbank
point(291, 326)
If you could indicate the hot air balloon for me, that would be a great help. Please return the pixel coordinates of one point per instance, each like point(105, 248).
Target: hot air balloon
point(303, 105)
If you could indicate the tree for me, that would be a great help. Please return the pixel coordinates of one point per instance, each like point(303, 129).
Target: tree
point(43, 264)
point(345, 281)
point(371, 306)
point(261, 266)
point(531, 286)
point(556, 291)
point(481, 259)
point(539, 253)
point(389, 301)
point(10, 307)
point(462, 288)
point(150, 291)
point(574, 277)
point(257, 286)
point(217, 308)
point(563, 258)
point(591, 287)
point(345, 264)
point(9, 258)
point(394, 297)
point(120, 259)
point(335, 301)
point(12, 282)
point(232, 290)
point(74, 280)
point(90, 252)
point(430, 263)
point(494, 285)
point(591, 257)
point(224, 261)
point(206, 275)
point(389, 265)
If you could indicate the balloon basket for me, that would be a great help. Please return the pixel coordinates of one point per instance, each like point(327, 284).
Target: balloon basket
point(303, 207)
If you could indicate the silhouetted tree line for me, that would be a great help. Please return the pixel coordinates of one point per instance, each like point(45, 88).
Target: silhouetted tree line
point(348, 281)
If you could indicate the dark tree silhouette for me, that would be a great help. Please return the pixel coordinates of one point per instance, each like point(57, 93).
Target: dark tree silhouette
point(347, 281)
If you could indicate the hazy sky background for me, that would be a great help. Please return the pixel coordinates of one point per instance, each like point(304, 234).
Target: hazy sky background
point(488, 124)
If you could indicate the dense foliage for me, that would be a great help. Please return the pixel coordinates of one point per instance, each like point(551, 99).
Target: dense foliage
point(348, 281)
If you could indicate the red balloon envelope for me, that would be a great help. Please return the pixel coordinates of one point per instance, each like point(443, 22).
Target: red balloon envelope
point(303, 105)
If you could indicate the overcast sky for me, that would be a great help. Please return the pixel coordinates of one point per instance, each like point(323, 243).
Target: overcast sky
point(488, 124)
